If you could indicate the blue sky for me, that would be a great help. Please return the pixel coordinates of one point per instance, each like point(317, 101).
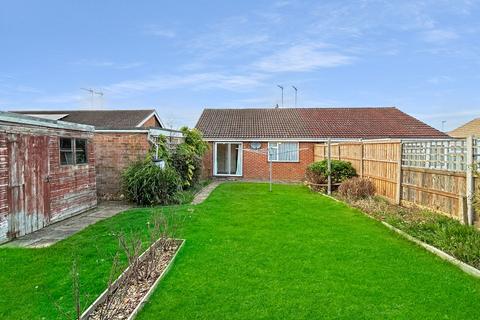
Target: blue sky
point(182, 56)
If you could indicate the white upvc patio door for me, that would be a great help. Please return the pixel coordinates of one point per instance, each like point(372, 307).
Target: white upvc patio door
point(228, 158)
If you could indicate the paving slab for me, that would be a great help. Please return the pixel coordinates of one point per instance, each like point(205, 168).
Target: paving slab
point(205, 192)
point(65, 228)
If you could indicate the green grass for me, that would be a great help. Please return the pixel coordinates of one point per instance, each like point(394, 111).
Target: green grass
point(252, 254)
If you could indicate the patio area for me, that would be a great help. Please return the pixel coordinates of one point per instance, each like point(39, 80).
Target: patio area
point(63, 229)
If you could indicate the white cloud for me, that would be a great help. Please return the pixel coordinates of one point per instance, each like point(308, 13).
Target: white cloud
point(108, 64)
point(159, 31)
point(192, 81)
point(66, 98)
point(301, 58)
point(244, 40)
point(7, 89)
point(439, 35)
point(439, 79)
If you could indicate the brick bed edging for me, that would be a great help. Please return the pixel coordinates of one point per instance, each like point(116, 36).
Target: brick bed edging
point(442, 254)
point(145, 298)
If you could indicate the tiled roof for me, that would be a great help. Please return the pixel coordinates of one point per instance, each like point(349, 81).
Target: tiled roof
point(312, 123)
point(468, 129)
point(105, 119)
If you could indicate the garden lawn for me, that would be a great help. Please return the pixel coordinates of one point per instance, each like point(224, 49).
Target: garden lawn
point(253, 254)
point(294, 254)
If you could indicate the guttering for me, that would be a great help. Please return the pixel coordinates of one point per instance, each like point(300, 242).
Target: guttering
point(277, 140)
point(41, 122)
point(121, 130)
point(152, 131)
point(325, 139)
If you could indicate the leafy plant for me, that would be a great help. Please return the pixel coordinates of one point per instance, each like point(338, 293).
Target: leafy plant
point(147, 184)
point(193, 138)
point(187, 157)
point(187, 163)
point(357, 188)
point(163, 152)
point(317, 172)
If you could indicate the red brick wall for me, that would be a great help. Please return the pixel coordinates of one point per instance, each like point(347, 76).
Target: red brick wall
point(256, 166)
point(152, 122)
point(207, 170)
point(113, 153)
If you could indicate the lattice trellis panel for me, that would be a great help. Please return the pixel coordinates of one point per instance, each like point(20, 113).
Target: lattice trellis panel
point(436, 154)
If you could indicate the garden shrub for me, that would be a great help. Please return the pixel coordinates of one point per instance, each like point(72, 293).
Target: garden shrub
point(187, 157)
point(317, 172)
point(188, 165)
point(147, 184)
point(357, 188)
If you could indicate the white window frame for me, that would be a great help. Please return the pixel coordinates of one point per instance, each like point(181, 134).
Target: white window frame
point(240, 160)
point(276, 143)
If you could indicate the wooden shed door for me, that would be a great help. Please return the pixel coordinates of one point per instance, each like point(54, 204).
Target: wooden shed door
point(29, 192)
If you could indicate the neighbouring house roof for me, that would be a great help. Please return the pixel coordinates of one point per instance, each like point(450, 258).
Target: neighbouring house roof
point(21, 119)
point(312, 123)
point(471, 128)
point(101, 119)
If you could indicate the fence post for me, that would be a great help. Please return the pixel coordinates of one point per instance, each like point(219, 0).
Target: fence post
point(361, 158)
point(469, 176)
point(398, 194)
point(329, 167)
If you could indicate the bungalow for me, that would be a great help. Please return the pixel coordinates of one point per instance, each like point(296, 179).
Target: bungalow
point(244, 141)
point(471, 128)
point(120, 138)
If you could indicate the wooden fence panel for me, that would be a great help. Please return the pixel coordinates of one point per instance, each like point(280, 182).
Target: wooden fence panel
point(380, 164)
point(320, 152)
point(352, 152)
point(380, 161)
point(439, 190)
point(377, 161)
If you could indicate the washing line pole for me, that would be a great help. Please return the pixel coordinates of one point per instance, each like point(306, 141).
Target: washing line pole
point(329, 167)
point(269, 167)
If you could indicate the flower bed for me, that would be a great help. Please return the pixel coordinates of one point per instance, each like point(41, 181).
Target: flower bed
point(125, 296)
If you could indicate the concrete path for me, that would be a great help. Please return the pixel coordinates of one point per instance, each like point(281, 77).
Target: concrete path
point(65, 228)
point(202, 195)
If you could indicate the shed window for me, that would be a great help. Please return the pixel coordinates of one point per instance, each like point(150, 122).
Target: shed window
point(283, 151)
point(73, 151)
point(80, 151)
